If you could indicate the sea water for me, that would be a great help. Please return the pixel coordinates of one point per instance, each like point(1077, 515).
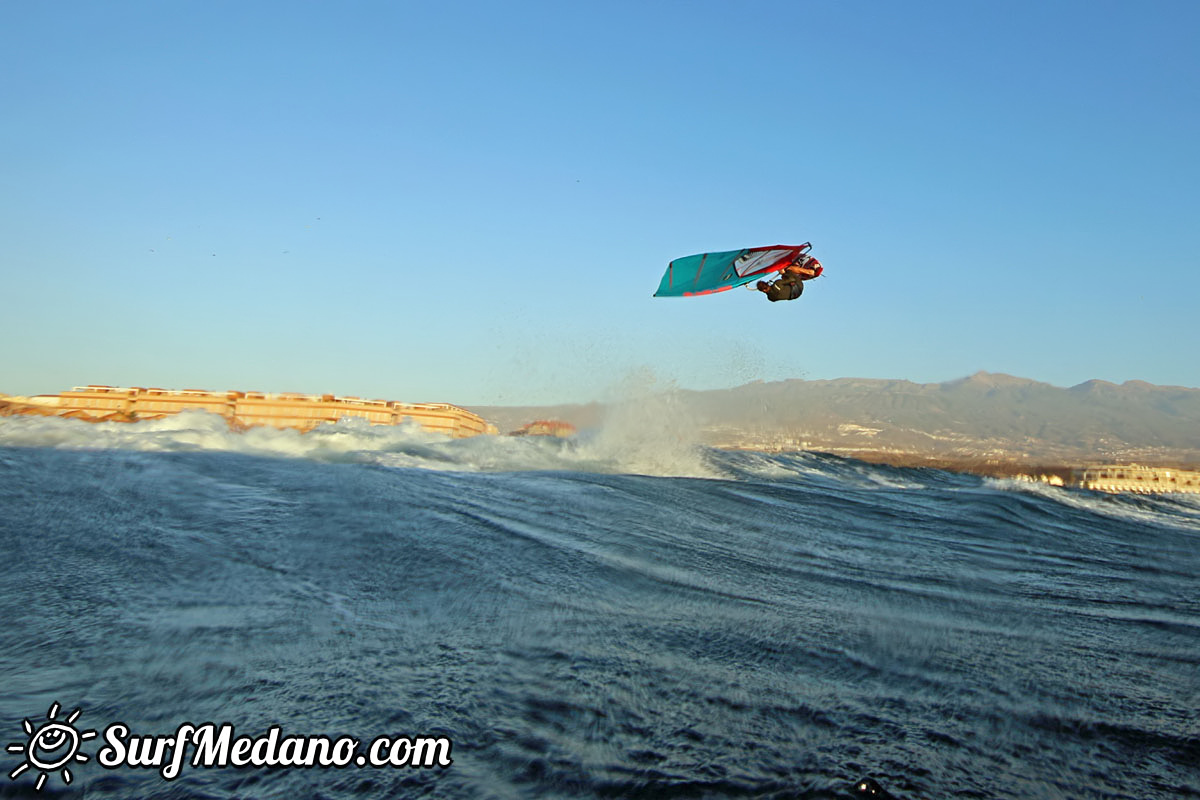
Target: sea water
point(624, 615)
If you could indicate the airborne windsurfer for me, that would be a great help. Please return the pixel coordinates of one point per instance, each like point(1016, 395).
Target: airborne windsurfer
point(708, 273)
point(790, 283)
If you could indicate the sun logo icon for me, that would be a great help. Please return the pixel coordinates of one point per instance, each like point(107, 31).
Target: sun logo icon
point(52, 746)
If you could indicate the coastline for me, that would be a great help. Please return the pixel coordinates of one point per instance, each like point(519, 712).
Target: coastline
point(1168, 476)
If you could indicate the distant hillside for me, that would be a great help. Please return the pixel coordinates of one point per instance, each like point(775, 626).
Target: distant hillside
point(986, 414)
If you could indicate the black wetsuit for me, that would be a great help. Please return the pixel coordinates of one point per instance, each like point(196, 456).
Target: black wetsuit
point(788, 287)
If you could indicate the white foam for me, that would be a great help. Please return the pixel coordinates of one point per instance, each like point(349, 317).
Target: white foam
point(1121, 507)
point(641, 437)
point(200, 430)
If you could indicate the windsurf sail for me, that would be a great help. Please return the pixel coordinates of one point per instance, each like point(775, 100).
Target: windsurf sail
point(705, 273)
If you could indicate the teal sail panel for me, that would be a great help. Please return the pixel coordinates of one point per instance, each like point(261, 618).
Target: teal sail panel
point(705, 273)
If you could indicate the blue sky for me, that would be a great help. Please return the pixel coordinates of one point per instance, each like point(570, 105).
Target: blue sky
point(474, 202)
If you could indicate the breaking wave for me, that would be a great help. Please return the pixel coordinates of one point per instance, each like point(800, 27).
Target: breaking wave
point(630, 441)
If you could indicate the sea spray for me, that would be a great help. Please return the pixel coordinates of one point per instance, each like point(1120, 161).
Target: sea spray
point(649, 429)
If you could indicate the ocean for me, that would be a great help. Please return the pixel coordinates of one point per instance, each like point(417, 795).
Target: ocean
point(626, 615)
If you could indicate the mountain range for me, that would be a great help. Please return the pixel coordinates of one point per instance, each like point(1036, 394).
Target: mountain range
point(983, 416)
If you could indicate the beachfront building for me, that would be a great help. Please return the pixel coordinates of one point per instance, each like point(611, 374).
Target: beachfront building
point(246, 409)
point(1134, 478)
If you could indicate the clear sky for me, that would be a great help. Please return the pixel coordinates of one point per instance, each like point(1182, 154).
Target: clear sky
point(474, 202)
